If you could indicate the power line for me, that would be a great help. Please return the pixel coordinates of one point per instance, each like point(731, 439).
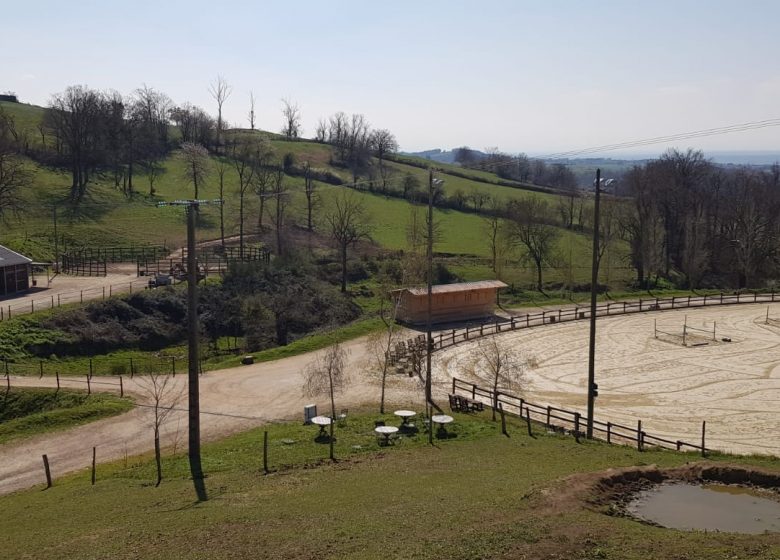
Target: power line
point(742, 127)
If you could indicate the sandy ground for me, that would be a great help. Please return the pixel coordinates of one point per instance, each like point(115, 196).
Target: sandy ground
point(734, 386)
point(231, 400)
point(62, 289)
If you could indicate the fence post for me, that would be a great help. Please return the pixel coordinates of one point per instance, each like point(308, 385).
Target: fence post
point(528, 421)
point(503, 419)
point(89, 386)
point(173, 365)
point(548, 416)
point(94, 455)
point(104, 292)
point(609, 432)
point(90, 368)
point(57, 373)
point(527, 320)
point(453, 385)
point(81, 296)
point(121, 387)
point(577, 426)
point(473, 390)
point(132, 369)
point(639, 435)
point(703, 430)
point(46, 470)
point(52, 302)
point(32, 306)
point(265, 452)
point(58, 300)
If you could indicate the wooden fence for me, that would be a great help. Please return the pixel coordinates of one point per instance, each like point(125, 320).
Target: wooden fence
point(444, 339)
point(556, 418)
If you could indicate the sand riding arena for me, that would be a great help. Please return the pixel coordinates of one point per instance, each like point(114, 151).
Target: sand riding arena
point(729, 378)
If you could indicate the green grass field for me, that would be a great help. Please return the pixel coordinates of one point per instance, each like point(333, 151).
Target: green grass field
point(476, 495)
point(28, 412)
point(108, 217)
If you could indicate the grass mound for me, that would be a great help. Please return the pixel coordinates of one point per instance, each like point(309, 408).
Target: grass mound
point(26, 412)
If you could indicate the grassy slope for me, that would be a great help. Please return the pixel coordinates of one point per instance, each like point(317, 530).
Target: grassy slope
point(111, 219)
point(27, 412)
point(480, 495)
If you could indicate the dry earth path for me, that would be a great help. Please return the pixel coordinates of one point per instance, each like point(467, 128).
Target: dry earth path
point(232, 400)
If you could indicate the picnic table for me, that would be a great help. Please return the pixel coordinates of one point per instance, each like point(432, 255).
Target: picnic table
point(405, 415)
point(322, 422)
point(386, 431)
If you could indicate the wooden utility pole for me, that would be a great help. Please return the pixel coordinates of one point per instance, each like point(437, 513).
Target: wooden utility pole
point(193, 391)
point(594, 279)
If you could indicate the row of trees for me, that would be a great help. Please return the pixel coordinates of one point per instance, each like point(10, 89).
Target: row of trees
point(691, 220)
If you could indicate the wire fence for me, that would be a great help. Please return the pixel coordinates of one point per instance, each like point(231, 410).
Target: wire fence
point(33, 304)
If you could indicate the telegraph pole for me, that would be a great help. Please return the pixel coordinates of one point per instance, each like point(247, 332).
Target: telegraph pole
point(429, 316)
point(193, 388)
point(594, 278)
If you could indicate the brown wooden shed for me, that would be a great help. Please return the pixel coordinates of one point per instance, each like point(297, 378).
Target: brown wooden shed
point(463, 301)
point(14, 272)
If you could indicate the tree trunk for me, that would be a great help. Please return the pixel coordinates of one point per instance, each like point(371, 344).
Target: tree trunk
point(343, 268)
point(539, 276)
point(240, 226)
point(157, 457)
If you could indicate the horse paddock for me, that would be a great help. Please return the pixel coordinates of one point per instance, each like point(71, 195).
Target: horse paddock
point(730, 379)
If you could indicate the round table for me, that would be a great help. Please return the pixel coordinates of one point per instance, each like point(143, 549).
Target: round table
point(322, 422)
point(386, 431)
point(405, 415)
point(442, 419)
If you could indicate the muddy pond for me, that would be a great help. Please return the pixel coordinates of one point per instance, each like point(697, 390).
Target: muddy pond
point(708, 507)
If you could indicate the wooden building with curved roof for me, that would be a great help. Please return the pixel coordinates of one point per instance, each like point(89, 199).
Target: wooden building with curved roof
point(462, 301)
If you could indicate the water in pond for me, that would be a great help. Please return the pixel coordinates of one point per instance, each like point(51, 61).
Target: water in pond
point(713, 507)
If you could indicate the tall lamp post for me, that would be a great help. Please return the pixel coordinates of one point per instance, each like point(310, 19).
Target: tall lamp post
point(193, 389)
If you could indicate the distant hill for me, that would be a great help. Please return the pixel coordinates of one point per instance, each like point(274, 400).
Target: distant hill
point(442, 156)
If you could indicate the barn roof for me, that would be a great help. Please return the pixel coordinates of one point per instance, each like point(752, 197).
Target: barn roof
point(457, 287)
point(11, 258)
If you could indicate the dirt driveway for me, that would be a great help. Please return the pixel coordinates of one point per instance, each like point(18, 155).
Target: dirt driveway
point(232, 400)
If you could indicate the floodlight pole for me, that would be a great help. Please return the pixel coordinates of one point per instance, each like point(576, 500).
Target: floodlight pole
point(193, 389)
point(594, 278)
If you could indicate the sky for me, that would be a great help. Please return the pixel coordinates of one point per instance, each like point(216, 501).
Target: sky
point(536, 77)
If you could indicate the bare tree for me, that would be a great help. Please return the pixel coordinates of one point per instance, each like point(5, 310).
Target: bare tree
point(327, 375)
point(196, 164)
point(153, 171)
point(312, 197)
point(281, 200)
point(497, 237)
point(164, 396)
point(251, 110)
point(321, 132)
point(221, 166)
point(292, 119)
point(537, 238)
point(14, 175)
point(220, 90)
point(348, 224)
point(501, 364)
point(244, 156)
point(383, 142)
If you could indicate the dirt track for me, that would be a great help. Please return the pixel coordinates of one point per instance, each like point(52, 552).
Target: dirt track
point(734, 386)
point(231, 400)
